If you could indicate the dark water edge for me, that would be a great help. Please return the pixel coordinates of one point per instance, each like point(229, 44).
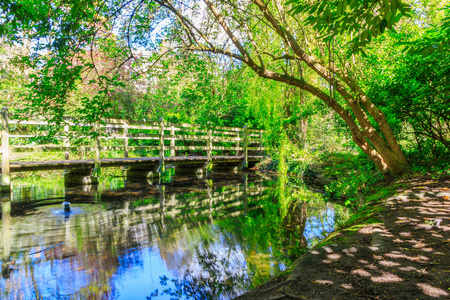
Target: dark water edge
point(195, 238)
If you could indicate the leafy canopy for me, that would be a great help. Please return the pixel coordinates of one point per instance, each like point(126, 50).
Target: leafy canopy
point(363, 19)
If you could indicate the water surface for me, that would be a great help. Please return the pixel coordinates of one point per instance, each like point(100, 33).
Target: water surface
point(194, 238)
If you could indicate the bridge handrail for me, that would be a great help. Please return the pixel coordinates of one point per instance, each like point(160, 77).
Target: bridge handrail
point(115, 123)
point(241, 139)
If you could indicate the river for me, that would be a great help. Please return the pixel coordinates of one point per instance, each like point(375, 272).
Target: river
point(194, 238)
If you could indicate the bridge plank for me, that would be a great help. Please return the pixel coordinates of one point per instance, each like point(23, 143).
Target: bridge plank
point(23, 166)
point(57, 148)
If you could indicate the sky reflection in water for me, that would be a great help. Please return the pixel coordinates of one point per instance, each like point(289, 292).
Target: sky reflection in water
point(203, 239)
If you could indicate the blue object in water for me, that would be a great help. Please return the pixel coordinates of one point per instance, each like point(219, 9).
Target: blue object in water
point(66, 207)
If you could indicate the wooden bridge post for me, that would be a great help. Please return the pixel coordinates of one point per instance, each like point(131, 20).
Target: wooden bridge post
point(96, 172)
point(238, 137)
point(125, 139)
point(66, 142)
point(209, 164)
point(245, 161)
point(261, 144)
point(6, 179)
point(172, 141)
point(162, 167)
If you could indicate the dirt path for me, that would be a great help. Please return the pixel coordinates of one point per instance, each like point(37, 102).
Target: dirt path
point(406, 256)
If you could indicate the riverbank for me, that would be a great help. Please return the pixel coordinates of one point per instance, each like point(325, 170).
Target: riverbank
point(395, 247)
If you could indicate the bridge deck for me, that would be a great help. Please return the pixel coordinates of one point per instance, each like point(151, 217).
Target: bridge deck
point(23, 166)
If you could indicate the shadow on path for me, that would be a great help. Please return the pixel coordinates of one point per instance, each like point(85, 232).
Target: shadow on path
point(406, 256)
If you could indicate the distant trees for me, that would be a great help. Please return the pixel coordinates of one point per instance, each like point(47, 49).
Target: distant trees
point(13, 77)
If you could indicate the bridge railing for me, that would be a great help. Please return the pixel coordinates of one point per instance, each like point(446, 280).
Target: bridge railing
point(166, 139)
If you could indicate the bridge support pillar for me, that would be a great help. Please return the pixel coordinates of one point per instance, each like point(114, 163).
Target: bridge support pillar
point(140, 173)
point(188, 170)
point(251, 164)
point(231, 167)
point(80, 177)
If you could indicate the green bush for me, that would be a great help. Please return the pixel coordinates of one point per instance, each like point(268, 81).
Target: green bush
point(356, 177)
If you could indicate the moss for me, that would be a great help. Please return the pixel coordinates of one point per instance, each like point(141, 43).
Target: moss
point(385, 192)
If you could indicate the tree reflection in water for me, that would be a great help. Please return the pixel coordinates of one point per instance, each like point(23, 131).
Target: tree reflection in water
point(268, 233)
point(218, 280)
point(211, 240)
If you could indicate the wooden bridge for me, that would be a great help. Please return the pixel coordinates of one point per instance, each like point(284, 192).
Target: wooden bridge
point(186, 148)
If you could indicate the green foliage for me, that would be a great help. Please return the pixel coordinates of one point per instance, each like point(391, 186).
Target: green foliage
point(356, 176)
point(190, 88)
point(436, 168)
point(48, 42)
point(50, 88)
point(436, 37)
point(297, 167)
point(414, 92)
point(363, 19)
point(60, 20)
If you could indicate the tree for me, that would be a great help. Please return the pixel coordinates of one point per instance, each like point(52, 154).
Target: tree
point(266, 38)
point(240, 30)
point(61, 33)
point(411, 84)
